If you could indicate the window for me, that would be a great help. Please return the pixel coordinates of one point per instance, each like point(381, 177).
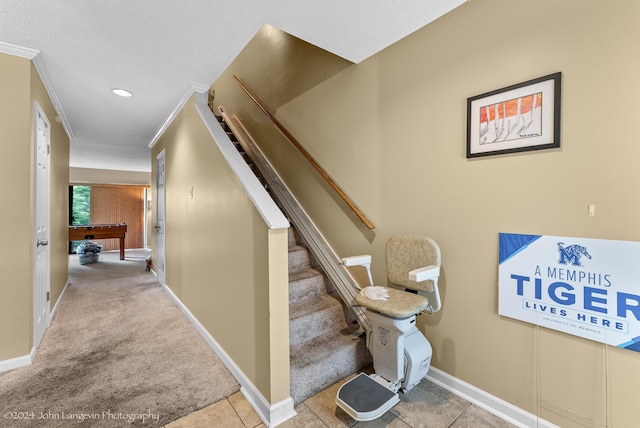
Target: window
point(79, 210)
point(80, 205)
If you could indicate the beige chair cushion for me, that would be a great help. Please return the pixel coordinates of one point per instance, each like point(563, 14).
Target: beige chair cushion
point(399, 305)
point(404, 253)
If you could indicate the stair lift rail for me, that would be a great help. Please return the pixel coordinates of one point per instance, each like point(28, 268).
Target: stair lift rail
point(329, 261)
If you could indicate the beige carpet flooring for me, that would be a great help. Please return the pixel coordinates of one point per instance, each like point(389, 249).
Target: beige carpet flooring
point(118, 353)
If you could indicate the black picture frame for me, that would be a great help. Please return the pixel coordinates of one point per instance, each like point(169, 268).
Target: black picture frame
point(517, 118)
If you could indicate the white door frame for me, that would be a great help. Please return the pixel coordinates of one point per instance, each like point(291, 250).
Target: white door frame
point(160, 226)
point(41, 225)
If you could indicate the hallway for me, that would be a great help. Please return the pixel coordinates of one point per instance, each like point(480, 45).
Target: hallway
point(426, 405)
point(117, 353)
point(163, 374)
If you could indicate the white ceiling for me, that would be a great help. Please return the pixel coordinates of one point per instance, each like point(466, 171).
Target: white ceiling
point(162, 50)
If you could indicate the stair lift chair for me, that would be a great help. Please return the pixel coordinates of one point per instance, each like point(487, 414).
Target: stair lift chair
point(401, 353)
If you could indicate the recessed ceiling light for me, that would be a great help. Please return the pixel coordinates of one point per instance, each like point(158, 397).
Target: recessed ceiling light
point(122, 92)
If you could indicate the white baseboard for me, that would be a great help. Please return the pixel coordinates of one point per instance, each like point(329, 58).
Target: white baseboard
point(17, 362)
point(271, 414)
point(26, 360)
point(55, 307)
point(486, 401)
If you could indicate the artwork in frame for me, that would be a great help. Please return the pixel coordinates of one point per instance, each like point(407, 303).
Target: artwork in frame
point(517, 118)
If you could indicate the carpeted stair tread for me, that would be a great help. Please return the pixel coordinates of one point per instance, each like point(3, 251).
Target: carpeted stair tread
point(304, 273)
point(319, 363)
point(318, 317)
point(314, 351)
point(306, 284)
point(307, 306)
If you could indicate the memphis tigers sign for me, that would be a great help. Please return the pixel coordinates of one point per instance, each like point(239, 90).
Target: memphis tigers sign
point(584, 287)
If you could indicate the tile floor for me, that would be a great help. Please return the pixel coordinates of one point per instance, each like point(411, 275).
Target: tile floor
point(427, 405)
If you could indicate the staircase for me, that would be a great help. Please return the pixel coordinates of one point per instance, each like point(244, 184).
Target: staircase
point(322, 347)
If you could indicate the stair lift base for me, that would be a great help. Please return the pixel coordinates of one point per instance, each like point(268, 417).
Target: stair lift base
point(364, 399)
point(401, 353)
point(401, 359)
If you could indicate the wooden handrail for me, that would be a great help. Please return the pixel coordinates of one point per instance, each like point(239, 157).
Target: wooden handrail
point(306, 154)
point(323, 253)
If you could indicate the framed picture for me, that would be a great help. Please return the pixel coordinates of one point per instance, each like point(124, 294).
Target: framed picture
point(517, 118)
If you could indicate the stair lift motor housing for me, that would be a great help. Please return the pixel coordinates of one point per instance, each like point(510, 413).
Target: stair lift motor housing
point(417, 356)
point(401, 353)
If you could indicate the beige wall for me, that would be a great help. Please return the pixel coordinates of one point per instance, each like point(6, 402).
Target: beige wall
point(392, 132)
point(108, 176)
point(16, 226)
point(21, 86)
point(217, 248)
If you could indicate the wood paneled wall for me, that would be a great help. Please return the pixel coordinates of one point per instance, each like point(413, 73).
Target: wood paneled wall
point(119, 204)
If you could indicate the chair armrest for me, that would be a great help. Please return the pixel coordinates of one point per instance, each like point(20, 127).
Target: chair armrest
point(364, 261)
point(428, 273)
point(357, 260)
point(424, 273)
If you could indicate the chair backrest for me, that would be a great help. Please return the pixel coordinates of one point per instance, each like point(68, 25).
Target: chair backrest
point(404, 253)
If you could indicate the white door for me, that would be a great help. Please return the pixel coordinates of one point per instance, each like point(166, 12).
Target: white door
point(160, 217)
point(41, 279)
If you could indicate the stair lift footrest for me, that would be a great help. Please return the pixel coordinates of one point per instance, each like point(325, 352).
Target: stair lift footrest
point(364, 399)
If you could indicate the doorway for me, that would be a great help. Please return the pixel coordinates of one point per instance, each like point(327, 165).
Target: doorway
point(42, 256)
point(109, 204)
point(160, 218)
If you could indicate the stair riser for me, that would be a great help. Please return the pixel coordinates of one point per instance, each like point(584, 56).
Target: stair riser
point(293, 240)
point(298, 259)
point(306, 288)
point(315, 324)
point(336, 365)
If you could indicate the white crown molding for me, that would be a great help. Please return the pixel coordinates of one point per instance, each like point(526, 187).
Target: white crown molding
point(191, 89)
point(34, 55)
point(46, 81)
point(18, 50)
